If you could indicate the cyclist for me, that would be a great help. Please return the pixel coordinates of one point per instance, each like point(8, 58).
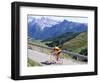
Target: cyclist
point(56, 52)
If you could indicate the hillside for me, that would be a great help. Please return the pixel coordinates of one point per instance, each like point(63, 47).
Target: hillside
point(76, 44)
point(64, 36)
point(60, 40)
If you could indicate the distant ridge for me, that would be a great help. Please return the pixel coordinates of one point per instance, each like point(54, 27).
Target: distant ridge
point(45, 28)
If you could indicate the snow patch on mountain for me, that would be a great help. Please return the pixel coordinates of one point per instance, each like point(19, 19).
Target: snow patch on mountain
point(43, 21)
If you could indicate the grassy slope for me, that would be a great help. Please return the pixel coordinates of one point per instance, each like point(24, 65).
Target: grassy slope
point(59, 40)
point(77, 43)
point(74, 42)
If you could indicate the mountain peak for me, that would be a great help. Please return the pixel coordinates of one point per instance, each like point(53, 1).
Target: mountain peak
point(46, 27)
point(65, 21)
point(44, 22)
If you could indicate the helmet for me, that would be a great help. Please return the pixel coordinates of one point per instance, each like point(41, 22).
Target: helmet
point(56, 48)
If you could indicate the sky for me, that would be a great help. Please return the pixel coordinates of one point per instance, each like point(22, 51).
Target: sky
point(61, 18)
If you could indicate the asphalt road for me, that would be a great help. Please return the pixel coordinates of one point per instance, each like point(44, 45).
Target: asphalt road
point(42, 57)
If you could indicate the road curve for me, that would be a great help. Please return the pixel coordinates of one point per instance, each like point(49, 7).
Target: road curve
point(42, 57)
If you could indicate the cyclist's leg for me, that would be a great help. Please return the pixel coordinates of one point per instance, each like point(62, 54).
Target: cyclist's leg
point(52, 58)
